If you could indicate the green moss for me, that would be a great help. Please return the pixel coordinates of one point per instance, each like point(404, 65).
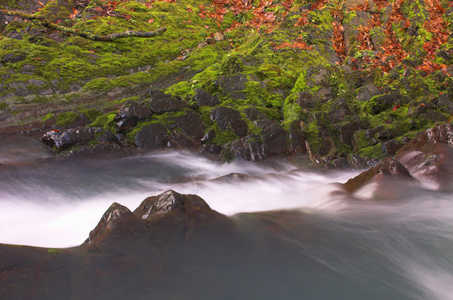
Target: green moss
point(3, 105)
point(66, 118)
point(224, 137)
point(91, 113)
point(372, 151)
point(105, 121)
point(47, 117)
point(311, 133)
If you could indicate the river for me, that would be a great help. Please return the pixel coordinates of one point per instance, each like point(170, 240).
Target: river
point(395, 244)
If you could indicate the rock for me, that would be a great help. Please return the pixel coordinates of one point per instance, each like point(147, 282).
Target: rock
point(118, 222)
point(205, 99)
point(306, 100)
point(161, 103)
point(218, 37)
point(254, 114)
point(389, 167)
point(247, 148)
point(366, 92)
point(429, 157)
point(228, 118)
point(129, 115)
point(275, 138)
point(63, 139)
point(233, 85)
point(189, 129)
point(153, 136)
point(297, 141)
point(13, 58)
point(179, 215)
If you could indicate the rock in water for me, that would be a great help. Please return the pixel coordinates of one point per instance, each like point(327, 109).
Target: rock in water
point(63, 139)
point(389, 167)
point(429, 157)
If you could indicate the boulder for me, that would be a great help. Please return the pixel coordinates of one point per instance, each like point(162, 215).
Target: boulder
point(190, 125)
point(181, 215)
point(275, 138)
point(153, 136)
point(63, 139)
point(161, 103)
point(233, 85)
point(228, 118)
point(129, 115)
point(205, 99)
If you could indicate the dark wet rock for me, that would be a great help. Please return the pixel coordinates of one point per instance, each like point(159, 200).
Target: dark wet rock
point(228, 118)
point(233, 85)
point(339, 111)
point(248, 148)
point(370, 133)
point(153, 136)
point(13, 57)
point(211, 149)
point(118, 222)
point(366, 92)
point(306, 100)
point(107, 137)
point(254, 114)
point(445, 102)
point(385, 134)
point(179, 215)
point(389, 167)
point(161, 103)
point(388, 99)
point(275, 138)
point(297, 142)
point(429, 157)
point(63, 139)
point(208, 136)
point(129, 115)
point(205, 99)
point(232, 177)
point(190, 124)
point(391, 147)
point(347, 133)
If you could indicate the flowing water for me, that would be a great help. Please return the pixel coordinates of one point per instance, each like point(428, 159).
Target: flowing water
point(396, 244)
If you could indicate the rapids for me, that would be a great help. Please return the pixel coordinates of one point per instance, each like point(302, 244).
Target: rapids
point(398, 247)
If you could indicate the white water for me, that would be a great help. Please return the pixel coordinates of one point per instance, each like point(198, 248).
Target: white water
point(56, 204)
point(398, 241)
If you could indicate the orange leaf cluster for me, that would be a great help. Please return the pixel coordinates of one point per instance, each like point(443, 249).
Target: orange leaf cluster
point(295, 45)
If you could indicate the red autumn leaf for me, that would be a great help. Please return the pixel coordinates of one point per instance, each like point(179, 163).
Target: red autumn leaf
point(150, 21)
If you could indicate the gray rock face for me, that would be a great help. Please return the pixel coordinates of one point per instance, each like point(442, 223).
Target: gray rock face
point(188, 130)
point(65, 138)
point(161, 103)
point(153, 136)
point(228, 118)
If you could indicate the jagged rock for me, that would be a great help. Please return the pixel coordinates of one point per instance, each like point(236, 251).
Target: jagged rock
point(118, 222)
point(205, 99)
point(228, 118)
point(247, 148)
point(62, 139)
point(429, 157)
point(161, 103)
point(153, 136)
point(129, 115)
point(389, 167)
point(366, 92)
